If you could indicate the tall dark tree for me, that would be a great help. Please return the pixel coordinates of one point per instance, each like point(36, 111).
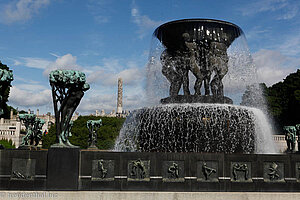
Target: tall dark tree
point(284, 100)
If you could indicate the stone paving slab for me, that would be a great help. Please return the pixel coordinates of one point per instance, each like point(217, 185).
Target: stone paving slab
point(99, 195)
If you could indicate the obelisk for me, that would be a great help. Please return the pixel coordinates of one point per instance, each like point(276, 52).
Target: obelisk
point(120, 96)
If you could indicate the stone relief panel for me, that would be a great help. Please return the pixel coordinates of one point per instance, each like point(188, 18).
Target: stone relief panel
point(23, 169)
point(241, 171)
point(173, 171)
point(138, 170)
point(103, 170)
point(207, 171)
point(273, 171)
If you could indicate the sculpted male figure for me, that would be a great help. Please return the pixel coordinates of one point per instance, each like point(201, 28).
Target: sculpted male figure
point(218, 61)
point(171, 71)
point(198, 64)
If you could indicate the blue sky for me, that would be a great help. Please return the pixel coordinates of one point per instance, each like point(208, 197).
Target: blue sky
point(107, 39)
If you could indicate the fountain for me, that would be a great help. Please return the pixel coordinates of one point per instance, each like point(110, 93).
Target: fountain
point(196, 51)
point(189, 120)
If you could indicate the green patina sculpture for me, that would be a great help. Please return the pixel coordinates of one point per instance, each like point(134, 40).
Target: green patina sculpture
point(298, 134)
point(93, 126)
point(28, 120)
point(33, 129)
point(290, 137)
point(6, 76)
point(38, 133)
point(68, 88)
point(297, 129)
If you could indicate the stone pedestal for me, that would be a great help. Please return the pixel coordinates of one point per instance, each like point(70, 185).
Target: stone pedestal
point(195, 99)
point(63, 169)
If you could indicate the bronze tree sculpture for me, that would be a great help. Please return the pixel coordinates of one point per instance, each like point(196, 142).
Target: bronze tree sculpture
point(68, 87)
point(6, 76)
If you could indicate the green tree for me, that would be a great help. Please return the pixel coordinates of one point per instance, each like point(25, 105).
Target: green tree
point(284, 100)
point(8, 144)
point(12, 108)
point(50, 137)
point(106, 135)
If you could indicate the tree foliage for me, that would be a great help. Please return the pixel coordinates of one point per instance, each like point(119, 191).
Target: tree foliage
point(106, 135)
point(8, 144)
point(284, 100)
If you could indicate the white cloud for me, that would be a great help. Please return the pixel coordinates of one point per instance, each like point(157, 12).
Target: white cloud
point(37, 63)
point(108, 102)
point(257, 32)
point(16, 62)
point(272, 66)
point(21, 10)
point(32, 87)
point(101, 19)
point(64, 62)
point(28, 98)
point(290, 13)
point(110, 72)
point(100, 10)
point(144, 23)
point(67, 61)
point(286, 9)
point(24, 80)
point(290, 44)
point(103, 80)
point(98, 101)
point(54, 54)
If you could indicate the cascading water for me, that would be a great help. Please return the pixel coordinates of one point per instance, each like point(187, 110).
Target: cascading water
point(216, 53)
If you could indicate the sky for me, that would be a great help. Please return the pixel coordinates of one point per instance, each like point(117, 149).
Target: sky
point(107, 39)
